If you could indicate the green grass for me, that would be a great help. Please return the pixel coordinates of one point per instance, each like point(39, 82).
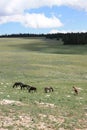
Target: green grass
point(40, 63)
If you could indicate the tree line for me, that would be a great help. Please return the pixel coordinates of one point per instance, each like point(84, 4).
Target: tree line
point(70, 38)
point(67, 38)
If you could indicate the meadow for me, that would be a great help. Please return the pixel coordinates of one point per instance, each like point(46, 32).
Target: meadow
point(42, 62)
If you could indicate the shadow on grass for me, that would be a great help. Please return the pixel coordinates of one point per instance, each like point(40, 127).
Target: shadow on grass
point(52, 47)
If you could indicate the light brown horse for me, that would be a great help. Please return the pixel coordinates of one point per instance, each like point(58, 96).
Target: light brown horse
point(75, 90)
point(48, 89)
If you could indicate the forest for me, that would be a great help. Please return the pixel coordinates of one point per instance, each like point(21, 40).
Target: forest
point(67, 38)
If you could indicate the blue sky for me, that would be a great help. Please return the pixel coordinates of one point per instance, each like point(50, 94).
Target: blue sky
point(42, 16)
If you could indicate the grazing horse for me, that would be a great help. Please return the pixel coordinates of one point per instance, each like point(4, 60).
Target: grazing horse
point(16, 84)
point(23, 86)
point(48, 89)
point(75, 90)
point(33, 89)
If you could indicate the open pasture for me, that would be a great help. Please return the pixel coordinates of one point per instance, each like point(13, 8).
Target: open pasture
point(41, 63)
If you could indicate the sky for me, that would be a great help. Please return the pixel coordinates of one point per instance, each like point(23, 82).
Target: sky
point(42, 16)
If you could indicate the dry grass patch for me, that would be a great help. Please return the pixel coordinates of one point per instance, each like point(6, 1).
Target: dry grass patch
point(42, 104)
point(10, 102)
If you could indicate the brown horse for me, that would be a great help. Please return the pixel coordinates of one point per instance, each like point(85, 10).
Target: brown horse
point(17, 84)
point(48, 89)
point(33, 89)
point(23, 86)
point(75, 90)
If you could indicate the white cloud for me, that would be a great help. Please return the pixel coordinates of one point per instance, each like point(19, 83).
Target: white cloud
point(53, 31)
point(18, 6)
point(32, 20)
point(41, 21)
point(14, 11)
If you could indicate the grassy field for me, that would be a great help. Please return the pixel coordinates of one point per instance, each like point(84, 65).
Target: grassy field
point(41, 62)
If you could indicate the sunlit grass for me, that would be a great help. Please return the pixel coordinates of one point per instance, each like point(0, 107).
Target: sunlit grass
point(40, 63)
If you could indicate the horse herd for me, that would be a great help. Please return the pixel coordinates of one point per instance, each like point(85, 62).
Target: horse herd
point(31, 88)
point(34, 89)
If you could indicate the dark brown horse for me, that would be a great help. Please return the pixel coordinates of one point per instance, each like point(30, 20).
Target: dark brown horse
point(48, 89)
point(17, 84)
point(23, 86)
point(32, 89)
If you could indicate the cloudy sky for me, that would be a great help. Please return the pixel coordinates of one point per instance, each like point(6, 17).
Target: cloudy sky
point(43, 16)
